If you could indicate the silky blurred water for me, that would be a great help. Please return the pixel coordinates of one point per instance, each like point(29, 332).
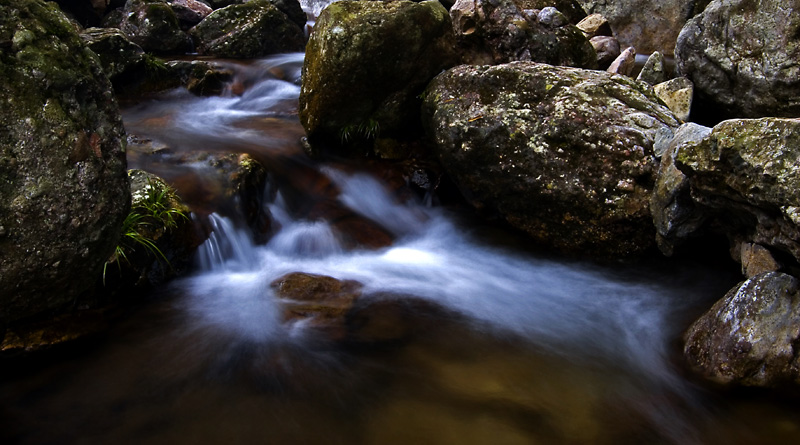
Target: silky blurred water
point(522, 348)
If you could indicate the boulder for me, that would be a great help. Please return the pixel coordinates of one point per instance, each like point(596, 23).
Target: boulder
point(653, 71)
point(647, 25)
point(607, 49)
point(366, 64)
point(745, 176)
point(501, 31)
point(64, 191)
point(750, 337)
point(571, 9)
point(189, 12)
point(121, 59)
point(153, 25)
point(564, 154)
point(675, 214)
point(253, 29)
point(742, 57)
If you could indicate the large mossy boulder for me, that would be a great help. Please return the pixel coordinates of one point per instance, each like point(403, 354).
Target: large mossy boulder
point(64, 191)
point(745, 176)
point(153, 25)
point(121, 59)
point(253, 29)
point(366, 64)
point(501, 31)
point(750, 336)
point(742, 56)
point(564, 154)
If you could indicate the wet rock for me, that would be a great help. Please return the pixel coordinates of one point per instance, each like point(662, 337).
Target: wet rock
point(564, 154)
point(571, 9)
point(594, 25)
point(653, 71)
point(677, 94)
point(253, 29)
point(647, 25)
point(607, 49)
point(153, 25)
point(742, 57)
point(756, 259)
point(745, 175)
point(675, 214)
point(202, 77)
point(750, 336)
point(319, 300)
point(63, 329)
point(493, 32)
point(624, 63)
point(158, 238)
point(119, 57)
point(366, 64)
point(189, 12)
point(64, 191)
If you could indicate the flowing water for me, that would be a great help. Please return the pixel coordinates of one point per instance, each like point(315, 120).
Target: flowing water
point(500, 345)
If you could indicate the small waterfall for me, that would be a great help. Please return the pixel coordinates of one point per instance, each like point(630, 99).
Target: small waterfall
point(227, 248)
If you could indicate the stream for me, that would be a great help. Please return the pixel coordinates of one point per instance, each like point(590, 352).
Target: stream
point(510, 346)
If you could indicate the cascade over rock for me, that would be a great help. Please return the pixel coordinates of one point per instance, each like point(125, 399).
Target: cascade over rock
point(366, 64)
point(742, 57)
point(253, 29)
point(492, 32)
point(749, 337)
point(564, 154)
point(64, 191)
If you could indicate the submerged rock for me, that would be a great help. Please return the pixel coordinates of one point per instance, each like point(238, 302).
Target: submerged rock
point(742, 57)
point(564, 154)
point(253, 29)
point(64, 191)
point(365, 66)
point(750, 336)
point(492, 32)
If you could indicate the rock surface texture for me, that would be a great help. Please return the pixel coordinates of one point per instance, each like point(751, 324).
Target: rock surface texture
point(253, 29)
point(366, 64)
point(647, 25)
point(745, 175)
point(564, 154)
point(492, 32)
point(742, 56)
point(751, 336)
point(153, 25)
point(64, 190)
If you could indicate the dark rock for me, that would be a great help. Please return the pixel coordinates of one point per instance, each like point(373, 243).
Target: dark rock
point(571, 9)
point(675, 214)
point(564, 154)
point(119, 57)
point(390, 318)
point(492, 32)
point(750, 337)
point(366, 64)
point(742, 57)
point(745, 175)
point(189, 12)
point(253, 29)
point(158, 238)
point(64, 191)
point(153, 25)
point(201, 77)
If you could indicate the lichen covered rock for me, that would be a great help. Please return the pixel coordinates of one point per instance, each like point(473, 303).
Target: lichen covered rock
point(64, 191)
point(750, 336)
point(492, 32)
point(562, 153)
point(746, 175)
point(366, 63)
point(253, 29)
point(742, 57)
